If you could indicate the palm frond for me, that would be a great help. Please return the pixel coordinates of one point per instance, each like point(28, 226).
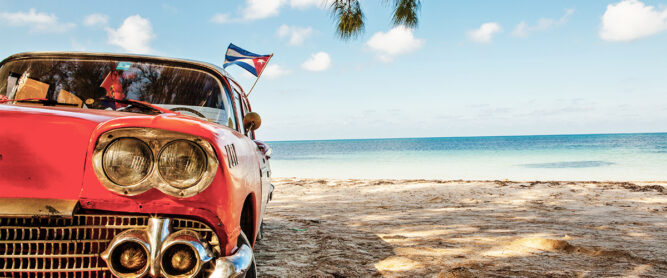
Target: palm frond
point(349, 18)
point(406, 12)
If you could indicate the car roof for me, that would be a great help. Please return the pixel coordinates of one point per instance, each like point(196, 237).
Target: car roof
point(132, 57)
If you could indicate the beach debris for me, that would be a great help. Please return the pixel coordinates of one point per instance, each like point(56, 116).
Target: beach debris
point(435, 200)
point(500, 183)
point(634, 187)
point(382, 182)
point(646, 188)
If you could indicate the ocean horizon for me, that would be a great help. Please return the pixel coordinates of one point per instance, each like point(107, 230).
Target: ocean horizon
point(610, 156)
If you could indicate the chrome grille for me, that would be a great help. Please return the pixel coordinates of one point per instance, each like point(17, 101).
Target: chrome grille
point(70, 247)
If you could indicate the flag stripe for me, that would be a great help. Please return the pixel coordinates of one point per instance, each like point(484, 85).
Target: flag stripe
point(233, 56)
point(243, 58)
point(245, 63)
point(242, 51)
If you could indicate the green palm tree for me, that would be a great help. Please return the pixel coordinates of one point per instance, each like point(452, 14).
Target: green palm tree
point(350, 18)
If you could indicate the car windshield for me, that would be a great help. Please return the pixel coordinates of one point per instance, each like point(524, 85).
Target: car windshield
point(112, 85)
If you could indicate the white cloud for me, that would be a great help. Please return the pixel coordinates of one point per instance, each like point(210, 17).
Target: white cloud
point(394, 42)
point(302, 4)
point(134, 35)
point(96, 19)
point(220, 18)
point(319, 61)
point(258, 9)
point(38, 22)
point(296, 34)
point(485, 32)
point(523, 30)
point(631, 19)
point(274, 71)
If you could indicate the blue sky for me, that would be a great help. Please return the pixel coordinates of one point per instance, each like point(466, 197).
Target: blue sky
point(471, 68)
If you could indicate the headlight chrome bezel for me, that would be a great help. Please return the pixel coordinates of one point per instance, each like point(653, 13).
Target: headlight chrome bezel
point(156, 139)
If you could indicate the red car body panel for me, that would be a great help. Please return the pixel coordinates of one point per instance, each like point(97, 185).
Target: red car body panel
point(43, 151)
point(47, 152)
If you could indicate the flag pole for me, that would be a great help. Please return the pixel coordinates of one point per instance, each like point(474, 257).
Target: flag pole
point(260, 74)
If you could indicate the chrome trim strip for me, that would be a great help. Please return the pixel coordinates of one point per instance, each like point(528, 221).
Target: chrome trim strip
point(157, 232)
point(36, 207)
point(234, 265)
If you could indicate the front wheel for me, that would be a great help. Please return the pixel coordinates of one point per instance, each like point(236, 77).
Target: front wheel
point(252, 271)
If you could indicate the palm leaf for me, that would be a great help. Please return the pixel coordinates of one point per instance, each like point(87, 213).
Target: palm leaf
point(405, 12)
point(349, 18)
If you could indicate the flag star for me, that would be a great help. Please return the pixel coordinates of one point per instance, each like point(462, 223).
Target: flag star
point(261, 61)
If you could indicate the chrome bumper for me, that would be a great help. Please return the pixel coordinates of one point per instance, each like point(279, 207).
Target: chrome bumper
point(234, 265)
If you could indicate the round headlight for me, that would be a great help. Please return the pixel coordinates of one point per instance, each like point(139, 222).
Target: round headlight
point(181, 163)
point(127, 161)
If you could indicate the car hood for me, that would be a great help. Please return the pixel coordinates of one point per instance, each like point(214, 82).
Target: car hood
point(43, 150)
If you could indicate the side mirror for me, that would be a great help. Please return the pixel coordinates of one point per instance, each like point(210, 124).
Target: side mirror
point(251, 121)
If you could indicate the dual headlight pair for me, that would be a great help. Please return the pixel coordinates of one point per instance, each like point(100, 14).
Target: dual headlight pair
point(130, 161)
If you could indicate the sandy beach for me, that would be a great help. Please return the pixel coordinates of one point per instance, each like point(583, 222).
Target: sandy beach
point(424, 228)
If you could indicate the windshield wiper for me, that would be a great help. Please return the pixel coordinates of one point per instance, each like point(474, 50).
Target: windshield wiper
point(137, 103)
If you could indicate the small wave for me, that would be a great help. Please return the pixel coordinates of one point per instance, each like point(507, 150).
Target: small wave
point(569, 164)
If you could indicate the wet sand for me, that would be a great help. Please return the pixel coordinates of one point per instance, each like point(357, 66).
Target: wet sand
point(420, 228)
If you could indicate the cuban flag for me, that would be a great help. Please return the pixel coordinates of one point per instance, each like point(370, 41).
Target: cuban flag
point(254, 63)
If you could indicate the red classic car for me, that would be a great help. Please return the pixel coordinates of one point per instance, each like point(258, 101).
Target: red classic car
point(128, 166)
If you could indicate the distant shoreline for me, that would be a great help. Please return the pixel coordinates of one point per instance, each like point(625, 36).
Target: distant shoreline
point(464, 137)
point(436, 180)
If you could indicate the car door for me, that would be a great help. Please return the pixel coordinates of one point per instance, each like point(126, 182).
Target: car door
point(264, 167)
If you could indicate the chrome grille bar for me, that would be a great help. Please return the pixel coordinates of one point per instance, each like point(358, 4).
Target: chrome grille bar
point(70, 247)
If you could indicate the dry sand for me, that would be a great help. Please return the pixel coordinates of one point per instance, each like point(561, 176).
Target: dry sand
point(419, 228)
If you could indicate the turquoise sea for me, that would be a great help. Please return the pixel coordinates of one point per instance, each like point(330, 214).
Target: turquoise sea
point(542, 157)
